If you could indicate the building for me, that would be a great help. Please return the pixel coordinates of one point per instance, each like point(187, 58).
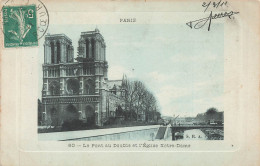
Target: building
point(78, 88)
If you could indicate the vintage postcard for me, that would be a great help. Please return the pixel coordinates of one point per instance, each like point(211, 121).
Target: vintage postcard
point(130, 83)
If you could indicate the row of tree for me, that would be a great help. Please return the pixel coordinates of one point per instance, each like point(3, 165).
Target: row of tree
point(211, 114)
point(140, 103)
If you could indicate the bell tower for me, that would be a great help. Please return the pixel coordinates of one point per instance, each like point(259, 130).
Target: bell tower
point(58, 49)
point(75, 89)
point(92, 53)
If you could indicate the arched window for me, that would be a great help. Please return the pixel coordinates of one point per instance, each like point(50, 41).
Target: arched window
point(52, 52)
point(58, 52)
point(90, 115)
point(89, 87)
point(54, 117)
point(87, 49)
point(93, 48)
point(73, 86)
point(54, 88)
point(67, 54)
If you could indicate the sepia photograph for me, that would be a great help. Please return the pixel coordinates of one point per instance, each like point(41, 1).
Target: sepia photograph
point(131, 82)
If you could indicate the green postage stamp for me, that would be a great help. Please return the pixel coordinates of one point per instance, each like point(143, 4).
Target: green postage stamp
point(20, 26)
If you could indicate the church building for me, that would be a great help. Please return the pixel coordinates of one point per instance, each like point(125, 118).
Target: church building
point(78, 88)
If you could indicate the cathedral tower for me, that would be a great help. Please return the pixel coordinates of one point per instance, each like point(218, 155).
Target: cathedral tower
point(92, 54)
point(58, 49)
point(78, 88)
point(74, 90)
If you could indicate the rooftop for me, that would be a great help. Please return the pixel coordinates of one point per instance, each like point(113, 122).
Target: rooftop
point(58, 36)
point(116, 83)
point(96, 31)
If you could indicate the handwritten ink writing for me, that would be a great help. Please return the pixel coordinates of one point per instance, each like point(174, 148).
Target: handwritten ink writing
point(201, 22)
point(220, 3)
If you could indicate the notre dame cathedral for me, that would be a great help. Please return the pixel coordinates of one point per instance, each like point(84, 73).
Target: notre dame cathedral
point(78, 88)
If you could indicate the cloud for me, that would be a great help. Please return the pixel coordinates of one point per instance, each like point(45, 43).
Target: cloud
point(189, 101)
point(165, 40)
point(156, 76)
point(126, 44)
point(168, 93)
point(179, 58)
point(209, 85)
point(201, 105)
point(116, 72)
point(203, 57)
point(191, 107)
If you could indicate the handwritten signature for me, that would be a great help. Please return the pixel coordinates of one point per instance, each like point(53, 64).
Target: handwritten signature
point(196, 24)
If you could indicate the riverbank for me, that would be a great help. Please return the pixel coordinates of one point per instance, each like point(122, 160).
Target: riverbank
point(124, 133)
point(77, 127)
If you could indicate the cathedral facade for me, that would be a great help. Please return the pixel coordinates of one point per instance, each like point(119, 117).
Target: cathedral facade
point(78, 88)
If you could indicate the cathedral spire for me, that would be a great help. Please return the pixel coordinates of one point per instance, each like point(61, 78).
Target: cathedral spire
point(96, 29)
point(124, 80)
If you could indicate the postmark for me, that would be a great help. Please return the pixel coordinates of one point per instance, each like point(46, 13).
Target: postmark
point(24, 25)
point(42, 19)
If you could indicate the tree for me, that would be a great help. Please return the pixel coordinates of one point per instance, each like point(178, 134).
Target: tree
point(139, 100)
point(211, 114)
point(140, 96)
point(211, 111)
point(130, 97)
point(119, 111)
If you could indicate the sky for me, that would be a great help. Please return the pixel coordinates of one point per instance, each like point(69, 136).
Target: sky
point(182, 67)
